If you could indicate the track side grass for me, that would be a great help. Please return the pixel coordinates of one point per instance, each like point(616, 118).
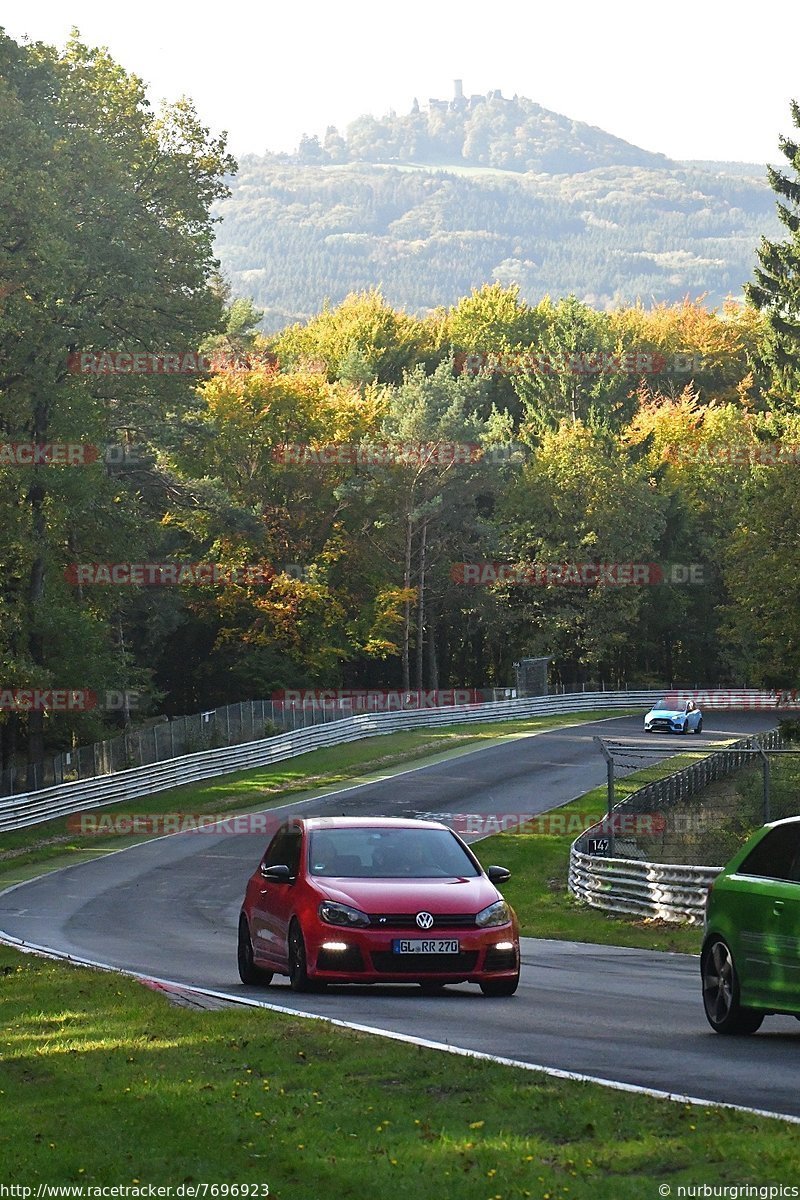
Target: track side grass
point(102, 1082)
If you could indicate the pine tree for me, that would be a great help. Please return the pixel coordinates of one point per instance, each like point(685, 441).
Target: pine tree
point(777, 288)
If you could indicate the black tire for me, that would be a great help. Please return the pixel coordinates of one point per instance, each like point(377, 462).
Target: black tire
point(685, 729)
point(699, 726)
point(721, 992)
point(299, 979)
point(500, 987)
point(248, 971)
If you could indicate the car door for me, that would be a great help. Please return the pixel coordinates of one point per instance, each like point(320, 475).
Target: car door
point(277, 899)
point(769, 918)
point(785, 982)
point(262, 923)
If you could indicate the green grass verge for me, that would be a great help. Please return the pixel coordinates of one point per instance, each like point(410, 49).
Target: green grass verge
point(539, 864)
point(102, 1082)
point(24, 851)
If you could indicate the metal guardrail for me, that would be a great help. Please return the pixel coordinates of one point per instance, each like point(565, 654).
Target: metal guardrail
point(228, 725)
point(627, 886)
point(670, 891)
point(20, 811)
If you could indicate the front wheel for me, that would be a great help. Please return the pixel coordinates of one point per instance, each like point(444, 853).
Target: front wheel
point(500, 987)
point(685, 727)
point(699, 726)
point(299, 979)
point(248, 971)
point(721, 992)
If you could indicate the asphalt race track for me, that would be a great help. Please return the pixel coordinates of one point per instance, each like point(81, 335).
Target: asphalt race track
point(168, 909)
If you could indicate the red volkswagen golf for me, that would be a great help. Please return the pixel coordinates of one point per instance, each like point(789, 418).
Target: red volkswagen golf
point(376, 900)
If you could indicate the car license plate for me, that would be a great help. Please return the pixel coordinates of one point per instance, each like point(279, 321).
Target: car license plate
point(426, 946)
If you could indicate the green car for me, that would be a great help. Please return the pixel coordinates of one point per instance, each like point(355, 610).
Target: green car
point(750, 962)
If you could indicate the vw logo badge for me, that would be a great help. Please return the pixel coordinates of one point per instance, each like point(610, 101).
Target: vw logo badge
point(424, 920)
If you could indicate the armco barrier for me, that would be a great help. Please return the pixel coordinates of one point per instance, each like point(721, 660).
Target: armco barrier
point(17, 812)
point(671, 891)
point(622, 885)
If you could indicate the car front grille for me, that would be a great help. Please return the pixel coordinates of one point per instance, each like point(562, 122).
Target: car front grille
point(409, 921)
point(661, 723)
point(420, 964)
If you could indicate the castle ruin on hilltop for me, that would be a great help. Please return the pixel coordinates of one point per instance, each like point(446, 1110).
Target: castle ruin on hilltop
point(460, 101)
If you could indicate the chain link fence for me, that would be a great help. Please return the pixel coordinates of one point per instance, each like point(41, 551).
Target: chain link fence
point(701, 814)
point(230, 725)
point(658, 850)
point(165, 738)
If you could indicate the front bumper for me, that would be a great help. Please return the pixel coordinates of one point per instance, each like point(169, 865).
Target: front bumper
point(367, 956)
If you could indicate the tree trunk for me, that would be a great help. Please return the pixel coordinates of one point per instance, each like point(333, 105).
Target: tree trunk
point(126, 705)
point(407, 608)
point(433, 663)
point(423, 548)
point(36, 495)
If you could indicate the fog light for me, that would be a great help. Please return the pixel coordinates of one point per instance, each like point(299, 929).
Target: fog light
point(334, 946)
point(504, 946)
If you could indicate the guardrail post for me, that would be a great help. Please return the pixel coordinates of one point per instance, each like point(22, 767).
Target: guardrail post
point(610, 783)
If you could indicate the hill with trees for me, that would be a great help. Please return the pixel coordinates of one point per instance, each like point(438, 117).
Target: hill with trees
point(479, 190)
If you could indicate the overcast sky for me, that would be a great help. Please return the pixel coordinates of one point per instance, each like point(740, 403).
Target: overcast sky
point(689, 78)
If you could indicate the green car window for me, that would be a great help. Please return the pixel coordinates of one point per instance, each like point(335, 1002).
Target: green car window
point(777, 855)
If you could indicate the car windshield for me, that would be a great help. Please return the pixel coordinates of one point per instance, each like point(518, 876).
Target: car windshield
point(388, 854)
point(663, 705)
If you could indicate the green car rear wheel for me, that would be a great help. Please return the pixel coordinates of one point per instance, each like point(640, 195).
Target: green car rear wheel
point(721, 992)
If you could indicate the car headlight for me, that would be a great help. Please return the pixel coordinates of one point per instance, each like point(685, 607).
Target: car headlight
point(342, 914)
point(496, 914)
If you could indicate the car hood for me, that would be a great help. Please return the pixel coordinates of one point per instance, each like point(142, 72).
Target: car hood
point(672, 714)
point(458, 895)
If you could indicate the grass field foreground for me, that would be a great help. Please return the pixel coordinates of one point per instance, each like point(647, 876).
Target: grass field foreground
point(103, 1082)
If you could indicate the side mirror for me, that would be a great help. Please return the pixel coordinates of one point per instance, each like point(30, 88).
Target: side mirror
point(276, 874)
point(498, 874)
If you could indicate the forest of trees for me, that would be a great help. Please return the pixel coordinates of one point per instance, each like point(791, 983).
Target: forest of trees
point(442, 200)
point(661, 434)
point(295, 236)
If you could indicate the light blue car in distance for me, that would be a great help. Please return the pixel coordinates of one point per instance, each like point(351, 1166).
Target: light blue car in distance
point(669, 715)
